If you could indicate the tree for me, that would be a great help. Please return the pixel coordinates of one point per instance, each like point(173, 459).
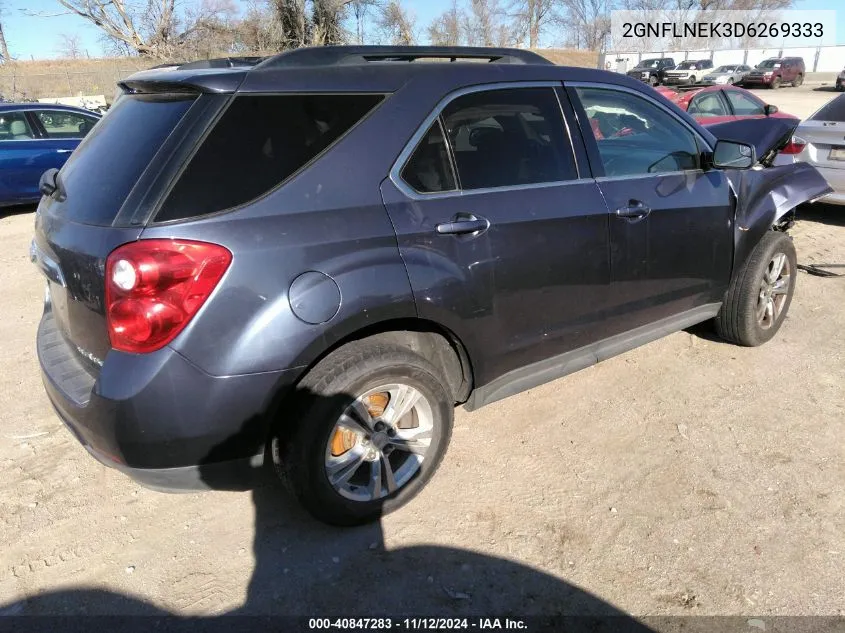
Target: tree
point(486, 24)
point(446, 29)
point(70, 46)
point(153, 28)
point(397, 24)
point(360, 12)
point(4, 48)
point(590, 22)
point(327, 16)
point(533, 17)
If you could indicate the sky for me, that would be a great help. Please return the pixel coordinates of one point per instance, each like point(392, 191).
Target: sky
point(33, 37)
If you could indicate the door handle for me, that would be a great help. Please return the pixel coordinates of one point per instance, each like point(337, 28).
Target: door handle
point(635, 210)
point(64, 151)
point(462, 224)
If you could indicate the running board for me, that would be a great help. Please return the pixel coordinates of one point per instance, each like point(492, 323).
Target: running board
point(537, 374)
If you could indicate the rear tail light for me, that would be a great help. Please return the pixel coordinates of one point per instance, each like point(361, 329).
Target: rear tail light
point(795, 146)
point(155, 287)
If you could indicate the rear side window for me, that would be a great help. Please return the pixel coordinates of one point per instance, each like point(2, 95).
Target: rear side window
point(509, 137)
point(744, 104)
point(833, 110)
point(428, 170)
point(258, 143)
point(63, 124)
point(108, 162)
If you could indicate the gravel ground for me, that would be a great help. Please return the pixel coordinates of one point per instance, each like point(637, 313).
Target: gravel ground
point(686, 477)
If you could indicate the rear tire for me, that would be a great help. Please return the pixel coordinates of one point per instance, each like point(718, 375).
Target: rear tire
point(348, 463)
point(758, 299)
point(798, 81)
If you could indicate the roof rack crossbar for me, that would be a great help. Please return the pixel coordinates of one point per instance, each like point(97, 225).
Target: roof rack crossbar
point(348, 55)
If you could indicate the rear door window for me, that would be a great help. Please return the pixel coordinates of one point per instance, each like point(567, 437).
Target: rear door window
point(62, 124)
point(259, 142)
point(99, 175)
point(743, 104)
point(509, 137)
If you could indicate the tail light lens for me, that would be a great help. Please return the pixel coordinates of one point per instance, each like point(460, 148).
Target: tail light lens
point(795, 146)
point(155, 287)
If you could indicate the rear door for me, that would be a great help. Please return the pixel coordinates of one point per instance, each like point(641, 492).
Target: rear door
point(671, 235)
point(23, 156)
point(62, 130)
point(503, 233)
point(75, 228)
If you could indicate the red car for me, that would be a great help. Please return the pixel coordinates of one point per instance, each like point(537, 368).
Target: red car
point(719, 104)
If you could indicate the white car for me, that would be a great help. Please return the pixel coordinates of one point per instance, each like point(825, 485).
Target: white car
point(840, 80)
point(820, 141)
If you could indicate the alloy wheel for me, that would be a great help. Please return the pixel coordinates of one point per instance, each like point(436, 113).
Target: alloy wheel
point(379, 442)
point(774, 290)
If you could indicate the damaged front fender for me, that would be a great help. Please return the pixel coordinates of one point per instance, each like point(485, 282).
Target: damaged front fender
point(764, 194)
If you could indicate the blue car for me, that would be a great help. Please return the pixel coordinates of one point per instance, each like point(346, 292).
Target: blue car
point(35, 137)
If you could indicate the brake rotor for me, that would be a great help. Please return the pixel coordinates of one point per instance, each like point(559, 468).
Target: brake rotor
point(344, 440)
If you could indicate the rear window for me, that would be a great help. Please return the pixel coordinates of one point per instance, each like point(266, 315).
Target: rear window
point(258, 143)
point(833, 110)
point(100, 174)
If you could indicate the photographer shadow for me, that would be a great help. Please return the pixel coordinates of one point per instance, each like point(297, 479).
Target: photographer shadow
point(305, 568)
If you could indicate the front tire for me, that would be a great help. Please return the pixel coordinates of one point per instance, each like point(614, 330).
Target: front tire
point(760, 294)
point(373, 421)
point(775, 83)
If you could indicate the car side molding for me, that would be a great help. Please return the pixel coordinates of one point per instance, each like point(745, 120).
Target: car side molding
point(539, 373)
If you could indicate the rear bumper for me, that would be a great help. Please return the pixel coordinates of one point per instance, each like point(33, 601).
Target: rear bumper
point(160, 419)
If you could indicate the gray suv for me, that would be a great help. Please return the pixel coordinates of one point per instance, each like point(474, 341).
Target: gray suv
point(308, 261)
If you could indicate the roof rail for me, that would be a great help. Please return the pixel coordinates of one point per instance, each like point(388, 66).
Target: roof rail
point(349, 55)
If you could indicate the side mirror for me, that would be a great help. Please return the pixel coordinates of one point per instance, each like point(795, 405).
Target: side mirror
point(769, 109)
point(733, 155)
point(47, 184)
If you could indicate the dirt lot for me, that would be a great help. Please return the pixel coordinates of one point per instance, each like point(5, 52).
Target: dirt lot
point(685, 477)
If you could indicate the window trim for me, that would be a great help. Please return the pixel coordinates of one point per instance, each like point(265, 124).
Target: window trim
point(395, 175)
point(590, 141)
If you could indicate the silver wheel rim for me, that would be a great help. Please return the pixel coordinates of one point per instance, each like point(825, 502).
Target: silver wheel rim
point(383, 447)
point(774, 290)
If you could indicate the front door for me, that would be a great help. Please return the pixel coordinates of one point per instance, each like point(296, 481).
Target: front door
point(671, 222)
point(504, 241)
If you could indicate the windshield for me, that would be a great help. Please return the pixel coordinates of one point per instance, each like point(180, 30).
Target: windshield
point(725, 69)
point(769, 63)
point(686, 65)
point(650, 63)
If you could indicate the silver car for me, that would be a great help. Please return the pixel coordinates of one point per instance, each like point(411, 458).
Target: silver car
point(820, 141)
point(726, 75)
